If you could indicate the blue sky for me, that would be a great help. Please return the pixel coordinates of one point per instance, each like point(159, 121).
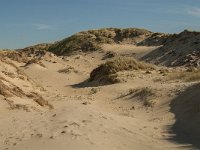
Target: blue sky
point(28, 22)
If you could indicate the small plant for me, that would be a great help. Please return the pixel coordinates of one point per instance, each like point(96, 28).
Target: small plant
point(149, 103)
point(164, 71)
point(145, 94)
point(68, 70)
point(94, 90)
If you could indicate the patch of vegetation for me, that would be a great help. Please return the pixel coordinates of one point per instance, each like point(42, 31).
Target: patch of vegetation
point(187, 76)
point(149, 102)
point(40, 100)
point(75, 43)
point(38, 47)
point(9, 91)
point(91, 40)
point(107, 72)
point(34, 61)
point(14, 55)
point(68, 70)
point(94, 90)
point(4, 90)
point(109, 54)
point(145, 94)
point(9, 74)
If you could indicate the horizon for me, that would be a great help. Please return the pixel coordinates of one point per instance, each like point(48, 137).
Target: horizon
point(25, 23)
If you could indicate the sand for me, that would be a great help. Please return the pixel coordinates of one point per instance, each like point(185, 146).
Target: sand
point(86, 116)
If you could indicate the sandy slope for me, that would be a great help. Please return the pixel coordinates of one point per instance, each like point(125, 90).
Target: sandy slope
point(127, 49)
point(83, 119)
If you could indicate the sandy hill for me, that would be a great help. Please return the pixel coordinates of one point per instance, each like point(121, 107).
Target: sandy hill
point(174, 49)
point(16, 88)
point(92, 39)
point(180, 49)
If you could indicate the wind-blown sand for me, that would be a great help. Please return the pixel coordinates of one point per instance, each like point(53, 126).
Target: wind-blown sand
point(87, 116)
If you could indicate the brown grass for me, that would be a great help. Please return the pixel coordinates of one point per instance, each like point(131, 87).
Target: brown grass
point(11, 90)
point(14, 55)
point(34, 61)
point(68, 70)
point(107, 72)
point(145, 94)
point(91, 40)
point(186, 76)
point(109, 54)
point(39, 100)
point(4, 90)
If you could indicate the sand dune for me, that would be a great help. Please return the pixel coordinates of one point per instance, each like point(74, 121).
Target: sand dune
point(50, 102)
point(186, 110)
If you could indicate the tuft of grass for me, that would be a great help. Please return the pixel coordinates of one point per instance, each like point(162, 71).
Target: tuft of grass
point(146, 95)
point(143, 93)
point(68, 70)
point(109, 54)
point(39, 100)
point(94, 90)
point(149, 103)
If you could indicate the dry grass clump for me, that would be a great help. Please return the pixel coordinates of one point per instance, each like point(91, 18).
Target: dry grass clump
point(12, 90)
point(145, 94)
point(17, 106)
point(17, 91)
point(39, 48)
point(68, 70)
point(4, 90)
point(34, 61)
point(39, 100)
point(9, 74)
point(107, 72)
point(9, 90)
point(163, 71)
point(109, 54)
point(9, 63)
point(19, 71)
point(14, 55)
point(142, 93)
point(187, 76)
point(94, 90)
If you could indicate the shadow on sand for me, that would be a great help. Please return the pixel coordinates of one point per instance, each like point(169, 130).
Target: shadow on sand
point(186, 108)
point(85, 84)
